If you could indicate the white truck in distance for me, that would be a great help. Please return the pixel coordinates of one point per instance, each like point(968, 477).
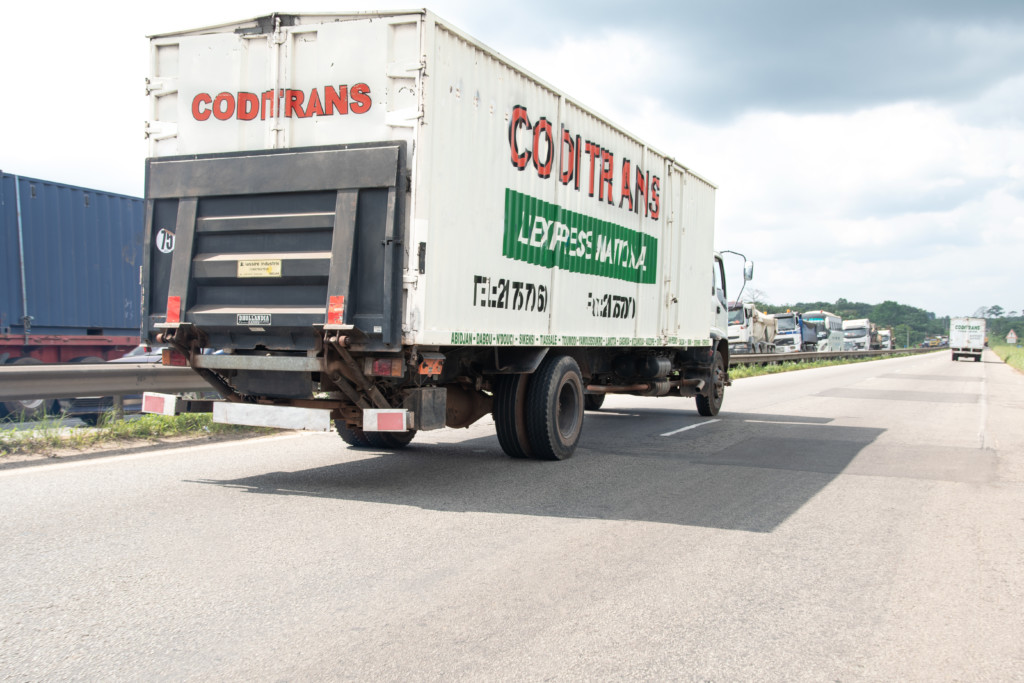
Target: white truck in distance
point(793, 334)
point(750, 330)
point(829, 327)
point(388, 225)
point(967, 337)
point(885, 341)
point(857, 334)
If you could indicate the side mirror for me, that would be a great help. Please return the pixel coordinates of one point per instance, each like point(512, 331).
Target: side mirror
point(748, 270)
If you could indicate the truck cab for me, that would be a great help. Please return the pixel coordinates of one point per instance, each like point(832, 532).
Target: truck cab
point(857, 335)
point(793, 335)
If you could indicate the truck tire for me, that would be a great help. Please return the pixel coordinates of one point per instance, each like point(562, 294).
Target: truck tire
point(955, 357)
point(353, 436)
point(593, 401)
point(28, 409)
point(510, 415)
point(391, 441)
point(554, 408)
point(90, 419)
point(709, 405)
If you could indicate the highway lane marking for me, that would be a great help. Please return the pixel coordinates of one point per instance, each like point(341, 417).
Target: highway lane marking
point(984, 405)
point(100, 459)
point(683, 429)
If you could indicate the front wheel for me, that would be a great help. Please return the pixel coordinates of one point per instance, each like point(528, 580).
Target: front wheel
point(554, 409)
point(708, 405)
point(593, 401)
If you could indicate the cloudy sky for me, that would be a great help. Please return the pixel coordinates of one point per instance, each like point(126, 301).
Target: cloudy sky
point(866, 150)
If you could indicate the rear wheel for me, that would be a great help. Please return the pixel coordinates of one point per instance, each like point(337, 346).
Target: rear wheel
point(91, 419)
point(956, 357)
point(554, 408)
point(708, 405)
point(353, 436)
point(27, 409)
point(593, 401)
point(390, 440)
point(510, 415)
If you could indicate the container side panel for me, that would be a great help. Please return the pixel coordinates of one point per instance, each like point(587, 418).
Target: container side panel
point(547, 225)
point(10, 269)
point(82, 252)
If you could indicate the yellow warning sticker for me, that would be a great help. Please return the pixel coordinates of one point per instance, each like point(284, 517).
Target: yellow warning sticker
point(260, 268)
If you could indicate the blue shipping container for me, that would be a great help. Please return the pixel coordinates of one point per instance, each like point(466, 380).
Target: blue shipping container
point(75, 268)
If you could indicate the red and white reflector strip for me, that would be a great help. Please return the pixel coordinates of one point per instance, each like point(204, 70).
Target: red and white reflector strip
point(158, 404)
point(336, 310)
point(390, 420)
point(174, 309)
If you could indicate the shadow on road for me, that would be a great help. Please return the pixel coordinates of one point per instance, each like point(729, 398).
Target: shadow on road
point(744, 472)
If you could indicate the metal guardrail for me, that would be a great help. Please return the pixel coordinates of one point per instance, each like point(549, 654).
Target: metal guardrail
point(68, 380)
point(763, 358)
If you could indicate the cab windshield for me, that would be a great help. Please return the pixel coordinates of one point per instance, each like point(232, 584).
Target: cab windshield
point(785, 324)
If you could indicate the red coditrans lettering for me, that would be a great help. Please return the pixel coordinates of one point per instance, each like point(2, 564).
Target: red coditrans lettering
point(638, 190)
point(289, 103)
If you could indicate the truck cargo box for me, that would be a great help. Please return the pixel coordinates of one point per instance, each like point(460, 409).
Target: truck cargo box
point(530, 220)
point(375, 214)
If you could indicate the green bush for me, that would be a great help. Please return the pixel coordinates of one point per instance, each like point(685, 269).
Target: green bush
point(50, 435)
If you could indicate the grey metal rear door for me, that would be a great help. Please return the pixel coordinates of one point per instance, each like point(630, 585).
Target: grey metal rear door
point(254, 248)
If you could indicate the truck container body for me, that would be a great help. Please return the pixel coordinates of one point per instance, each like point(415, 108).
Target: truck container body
point(750, 330)
point(793, 334)
point(829, 327)
point(328, 194)
point(967, 337)
point(69, 274)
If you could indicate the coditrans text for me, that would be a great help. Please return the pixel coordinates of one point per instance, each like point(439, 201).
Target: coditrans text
point(289, 103)
point(638, 190)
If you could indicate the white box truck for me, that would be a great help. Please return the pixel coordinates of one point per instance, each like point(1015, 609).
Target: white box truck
point(967, 337)
point(386, 224)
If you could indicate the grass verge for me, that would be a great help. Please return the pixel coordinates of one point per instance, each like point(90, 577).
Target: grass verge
point(49, 435)
point(1011, 355)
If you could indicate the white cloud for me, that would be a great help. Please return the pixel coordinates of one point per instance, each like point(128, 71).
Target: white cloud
point(909, 201)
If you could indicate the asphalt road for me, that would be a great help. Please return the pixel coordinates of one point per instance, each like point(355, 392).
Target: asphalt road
point(863, 522)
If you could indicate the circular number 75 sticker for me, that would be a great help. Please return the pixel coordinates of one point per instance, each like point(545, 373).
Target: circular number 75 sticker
point(165, 241)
